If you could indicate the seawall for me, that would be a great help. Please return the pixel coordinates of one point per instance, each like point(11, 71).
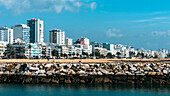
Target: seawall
point(93, 79)
point(86, 73)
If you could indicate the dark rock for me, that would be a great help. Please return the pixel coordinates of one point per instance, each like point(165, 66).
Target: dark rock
point(45, 80)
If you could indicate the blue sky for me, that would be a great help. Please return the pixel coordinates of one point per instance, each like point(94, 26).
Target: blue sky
point(138, 23)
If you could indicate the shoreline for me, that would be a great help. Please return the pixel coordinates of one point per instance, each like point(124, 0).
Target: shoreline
point(80, 60)
point(121, 72)
point(93, 79)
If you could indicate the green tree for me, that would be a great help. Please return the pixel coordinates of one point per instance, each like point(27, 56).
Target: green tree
point(168, 55)
point(109, 55)
point(91, 54)
point(5, 53)
point(55, 53)
point(8, 45)
point(61, 54)
point(138, 54)
point(97, 54)
point(85, 54)
point(44, 55)
point(156, 56)
point(118, 55)
point(113, 56)
point(69, 54)
point(131, 54)
point(102, 56)
point(65, 55)
point(29, 47)
point(74, 53)
point(77, 54)
point(142, 54)
point(12, 54)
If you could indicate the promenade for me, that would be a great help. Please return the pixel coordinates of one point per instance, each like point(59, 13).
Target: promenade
point(81, 60)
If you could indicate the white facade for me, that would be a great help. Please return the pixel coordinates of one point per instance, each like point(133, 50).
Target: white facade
point(6, 35)
point(36, 30)
point(2, 47)
point(22, 32)
point(61, 38)
point(68, 41)
point(57, 36)
point(85, 40)
point(41, 31)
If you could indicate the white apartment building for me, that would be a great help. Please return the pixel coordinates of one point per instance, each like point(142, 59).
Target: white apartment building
point(6, 35)
point(68, 41)
point(57, 36)
point(36, 30)
point(22, 32)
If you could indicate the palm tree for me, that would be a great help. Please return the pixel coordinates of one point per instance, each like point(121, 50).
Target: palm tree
point(29, 47)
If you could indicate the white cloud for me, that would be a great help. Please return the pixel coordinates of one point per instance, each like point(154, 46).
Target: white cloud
point(159, 12)
point(20, 6)
point(165, 22)
point(151, 19)
point(168, 32)
point(93, 5)
point(113, 32)
point(142, 20)
point(159, 33)
point(160, 18)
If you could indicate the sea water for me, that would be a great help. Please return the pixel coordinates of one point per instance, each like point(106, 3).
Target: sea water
point(82, 90)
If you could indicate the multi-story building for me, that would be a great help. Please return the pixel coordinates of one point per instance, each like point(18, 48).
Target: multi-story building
point(24, 50)
point(68, 41)
point(22, 32)
point(109, 47)
point(6, 35)
point(35, 51)
point(36, 30)
point(82, 40)
point(17, 50)
point(2, 48)
point(57, 36)
point(46, 50)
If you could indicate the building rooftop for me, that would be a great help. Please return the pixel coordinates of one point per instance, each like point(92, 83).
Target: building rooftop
point(4, 28)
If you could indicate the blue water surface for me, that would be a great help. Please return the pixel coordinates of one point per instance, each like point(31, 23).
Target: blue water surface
point(82, 90)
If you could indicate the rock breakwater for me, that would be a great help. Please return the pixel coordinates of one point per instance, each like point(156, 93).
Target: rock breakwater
point(92, 73)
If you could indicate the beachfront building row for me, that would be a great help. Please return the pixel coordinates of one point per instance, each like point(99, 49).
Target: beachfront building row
point(28, 50)
point(30, 38)
point(71, 50)
point(20, 49)
point(33, 32)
